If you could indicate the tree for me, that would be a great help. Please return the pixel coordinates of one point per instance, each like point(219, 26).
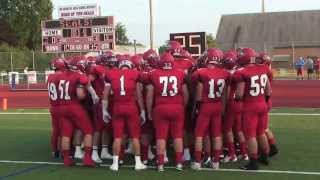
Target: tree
point(163, 48)
point(121, 34)
point(24, 17)
point(211, 41)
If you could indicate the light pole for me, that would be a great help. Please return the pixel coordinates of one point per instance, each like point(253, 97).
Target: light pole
point(263, 6)
point(151, 24)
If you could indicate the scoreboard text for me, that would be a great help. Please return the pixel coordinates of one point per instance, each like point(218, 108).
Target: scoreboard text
point(78, 35)
point(194, 42)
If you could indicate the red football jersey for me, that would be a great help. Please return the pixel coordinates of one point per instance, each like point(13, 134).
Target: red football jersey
point(66, 87)
point(167, 85)
point(52, 83)
point(123, 85)
point(98, 84)
point(255, 78)
point(214, 82)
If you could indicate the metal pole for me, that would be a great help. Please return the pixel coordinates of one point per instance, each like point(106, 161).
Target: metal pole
point(11, 59)
point(293, 54)
point(263, 7)
point(33, 63)
point(151, 24)
point(135, 46)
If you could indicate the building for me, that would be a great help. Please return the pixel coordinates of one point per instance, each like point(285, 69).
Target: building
point(284, 35)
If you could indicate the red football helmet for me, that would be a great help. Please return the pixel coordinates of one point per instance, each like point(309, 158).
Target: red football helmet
point(263, 58)
point(214, 56)
point(246, 56)
point(77, 63)
point(186, 54)
point(151, 58)
point(166, 61)
point(229, 59)
point(175, 49)
point(108, 54)
point(58, 64)
point(137, 61)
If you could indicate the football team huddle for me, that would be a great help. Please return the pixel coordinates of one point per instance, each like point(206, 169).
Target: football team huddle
point(214, 109)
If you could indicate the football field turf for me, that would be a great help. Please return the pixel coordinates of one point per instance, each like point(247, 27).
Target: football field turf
point(25, 152)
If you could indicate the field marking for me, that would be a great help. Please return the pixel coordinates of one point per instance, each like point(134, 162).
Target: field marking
point(23, 171)
point(170, 167)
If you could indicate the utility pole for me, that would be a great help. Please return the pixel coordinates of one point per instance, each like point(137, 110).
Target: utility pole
point(263, 6)
point(151, 24)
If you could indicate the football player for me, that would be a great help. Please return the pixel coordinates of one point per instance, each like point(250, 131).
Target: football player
point(59, 66)
point(69, 88)
point(124, 83)
point(168, 94)
point(212, 90)
point(253, 88)
point(265, 60)
point(232, 119)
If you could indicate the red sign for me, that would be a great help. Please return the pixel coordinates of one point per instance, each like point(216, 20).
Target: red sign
point(194, 42)
point(78, 35)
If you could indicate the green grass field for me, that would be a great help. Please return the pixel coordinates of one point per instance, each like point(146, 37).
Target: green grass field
point(25, 137)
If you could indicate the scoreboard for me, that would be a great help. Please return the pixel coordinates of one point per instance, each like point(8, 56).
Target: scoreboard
point(78, 35)
point(194, 42)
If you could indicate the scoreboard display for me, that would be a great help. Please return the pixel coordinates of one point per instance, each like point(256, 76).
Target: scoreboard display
point(78, 35)
point(194, 42)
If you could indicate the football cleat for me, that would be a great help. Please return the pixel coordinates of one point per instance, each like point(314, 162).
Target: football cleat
point(196, 166)
point(67, 162)
point(114, 167)
point(121, 162)
point(88, 162)
point(56, 155)
point(145, 162)
point(160, 168)
point(243, 157)
point(140, 166)
point(95, 157)
point(79, 154)
point(263, 159)
point(228, 159)
point(273, 150)
point(179, 167)
point(207, 162)
point(251, 166)
point(105, 154)
point(215, 165)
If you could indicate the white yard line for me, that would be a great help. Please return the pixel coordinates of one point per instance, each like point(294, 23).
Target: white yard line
point(153, 167)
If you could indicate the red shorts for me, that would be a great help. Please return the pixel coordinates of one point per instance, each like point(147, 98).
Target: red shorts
point(233, 116)
point(168, 117)
point(74, 116)
point(299, 71)
point(209, 117)
point(255, 119)
point(125, 116)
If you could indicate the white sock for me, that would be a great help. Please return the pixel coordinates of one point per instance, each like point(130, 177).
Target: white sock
point(187, 150)
point(137, 159)
point(78, 149)
point(104, 148)
point(115, 159)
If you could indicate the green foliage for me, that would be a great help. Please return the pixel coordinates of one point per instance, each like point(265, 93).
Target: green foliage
point(24, 17)
point(211, 41)
point(121, 34)
point(163, 48)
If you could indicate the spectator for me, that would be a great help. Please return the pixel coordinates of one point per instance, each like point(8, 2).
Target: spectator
point(299, 64)
point(310, 67)
point(317, 67)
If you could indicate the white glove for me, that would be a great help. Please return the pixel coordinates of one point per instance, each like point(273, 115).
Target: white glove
point(95, 99)
point(105, 113)
point(106, 116)
point(143, 117)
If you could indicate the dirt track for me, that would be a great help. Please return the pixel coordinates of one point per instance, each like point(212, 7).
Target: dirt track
point(286, 93)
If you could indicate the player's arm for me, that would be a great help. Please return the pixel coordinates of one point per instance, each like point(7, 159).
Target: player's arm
point(139, 88)
point(81, 93)
point(268, 91)
point(105, 102)
point(224, 98)
point(185, 93)
point(149, 100)
point(197, 99)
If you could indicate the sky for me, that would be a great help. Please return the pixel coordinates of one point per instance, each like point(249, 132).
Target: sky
point(173, 16)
